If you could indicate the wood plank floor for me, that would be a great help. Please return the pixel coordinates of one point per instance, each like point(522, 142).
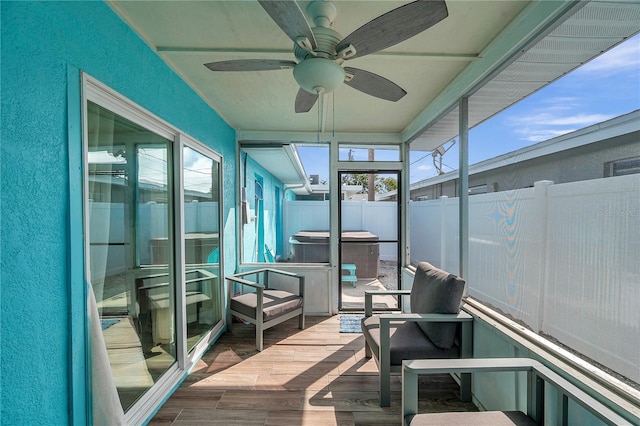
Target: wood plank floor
point(317, 376)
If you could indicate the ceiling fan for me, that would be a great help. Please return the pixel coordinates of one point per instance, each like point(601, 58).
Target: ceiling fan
point(321, 51)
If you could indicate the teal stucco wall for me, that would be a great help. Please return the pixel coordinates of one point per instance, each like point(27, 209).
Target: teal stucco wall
point(272, 211)
point(45, 46)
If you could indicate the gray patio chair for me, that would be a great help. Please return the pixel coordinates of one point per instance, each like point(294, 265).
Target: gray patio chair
point(435, 328)
point(539, 379)
point(265, 305)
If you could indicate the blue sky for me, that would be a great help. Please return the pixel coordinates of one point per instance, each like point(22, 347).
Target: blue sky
point(602, 89)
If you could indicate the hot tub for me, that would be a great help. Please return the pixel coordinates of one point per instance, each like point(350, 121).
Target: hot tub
point(359, 247)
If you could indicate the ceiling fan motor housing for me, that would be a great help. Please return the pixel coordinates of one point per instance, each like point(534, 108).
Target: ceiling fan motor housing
point(326, 41)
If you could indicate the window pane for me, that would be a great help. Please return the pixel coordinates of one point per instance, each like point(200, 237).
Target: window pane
point(202, 247)
point(306, 230)
point(285, 193)
point(368, 153)
point(129, 255)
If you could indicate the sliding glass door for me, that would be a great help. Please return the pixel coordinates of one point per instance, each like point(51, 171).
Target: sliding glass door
point(130, 260)
point(153, 250)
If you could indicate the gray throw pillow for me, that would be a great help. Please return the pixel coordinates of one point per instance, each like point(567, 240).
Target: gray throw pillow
point(435, 291)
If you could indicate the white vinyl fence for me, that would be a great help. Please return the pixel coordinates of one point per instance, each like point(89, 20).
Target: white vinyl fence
point(564, 259)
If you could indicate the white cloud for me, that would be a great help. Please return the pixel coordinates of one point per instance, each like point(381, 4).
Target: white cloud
point(541, 126)
point(624, 57)
point(197, 176)
point(546, 119)
point(540, 135)
point(578, 119)
point(424, 167)
point(562, 103)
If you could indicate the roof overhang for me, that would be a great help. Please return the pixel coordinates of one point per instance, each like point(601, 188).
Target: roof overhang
point(283, 162)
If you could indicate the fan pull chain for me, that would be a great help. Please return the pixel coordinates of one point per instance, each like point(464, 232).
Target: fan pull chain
point(333, 112)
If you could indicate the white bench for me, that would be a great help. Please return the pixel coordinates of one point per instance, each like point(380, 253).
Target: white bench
point(537, 376)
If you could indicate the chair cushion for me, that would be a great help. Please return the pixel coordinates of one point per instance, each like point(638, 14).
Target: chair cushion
point(435, 291)
point(480, 418)
point(276, 303)
point(407, 341)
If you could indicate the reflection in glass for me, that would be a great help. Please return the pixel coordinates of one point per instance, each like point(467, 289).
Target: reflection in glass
point(129, 255)
point(202, 244)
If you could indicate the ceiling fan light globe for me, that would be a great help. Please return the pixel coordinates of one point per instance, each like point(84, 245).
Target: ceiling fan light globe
point(314, 73)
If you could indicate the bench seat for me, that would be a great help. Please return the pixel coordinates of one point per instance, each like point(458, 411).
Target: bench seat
point(480, 418)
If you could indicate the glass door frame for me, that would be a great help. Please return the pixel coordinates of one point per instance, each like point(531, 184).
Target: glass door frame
point(335, 199)
point(186, 357)
point(399, 233)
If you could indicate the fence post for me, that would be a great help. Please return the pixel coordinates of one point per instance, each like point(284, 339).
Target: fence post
point(363, 215)
point(443, 232)
point(540, 215)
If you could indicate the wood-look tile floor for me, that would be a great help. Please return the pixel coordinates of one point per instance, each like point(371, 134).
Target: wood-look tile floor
point(317, 376)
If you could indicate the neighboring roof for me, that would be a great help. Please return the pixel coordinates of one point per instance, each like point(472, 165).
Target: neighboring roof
point(617, 126)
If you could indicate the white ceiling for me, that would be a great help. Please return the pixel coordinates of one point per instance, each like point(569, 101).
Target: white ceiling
point(476, 44)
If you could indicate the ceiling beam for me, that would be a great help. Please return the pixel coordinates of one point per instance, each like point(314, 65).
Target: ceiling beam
point(259, 136)
point(278, 52)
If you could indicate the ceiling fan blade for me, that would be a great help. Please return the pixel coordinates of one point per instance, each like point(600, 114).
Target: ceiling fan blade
point(290, 19)
point(395, 26)
point(305, 100)
point(250, 65)
point(374, 85)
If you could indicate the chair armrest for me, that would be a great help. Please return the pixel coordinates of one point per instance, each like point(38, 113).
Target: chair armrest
point(468, 365)
point(387, 319)
point(206, 275)
point(368, 298)
point(462, 316)
point(259, 287)
point(537, 375)
point(237, 278)
point(152, 286)
point(245, 282)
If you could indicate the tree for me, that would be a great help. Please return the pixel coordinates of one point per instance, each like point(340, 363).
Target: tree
point(387, 184)
point(382, 184)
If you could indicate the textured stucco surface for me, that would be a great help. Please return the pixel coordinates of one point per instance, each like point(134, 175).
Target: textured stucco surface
point(40, 41)
point(269, 184)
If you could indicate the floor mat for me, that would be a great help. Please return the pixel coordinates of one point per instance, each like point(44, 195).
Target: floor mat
point(350, 323)
point(108, 322)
